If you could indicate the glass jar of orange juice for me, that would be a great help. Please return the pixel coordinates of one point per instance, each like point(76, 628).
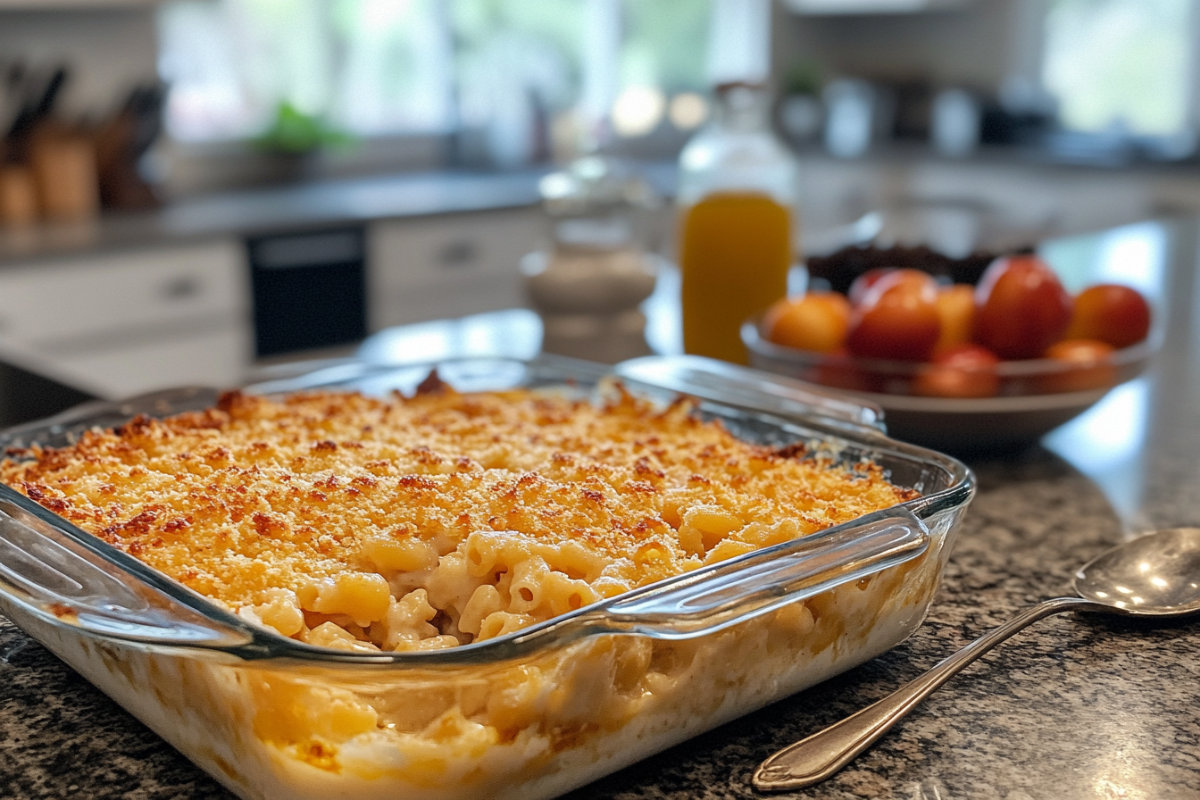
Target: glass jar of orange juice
point(737, 195)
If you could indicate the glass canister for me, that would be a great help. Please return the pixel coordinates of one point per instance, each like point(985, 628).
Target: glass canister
point(737, 189)
point(588, 285)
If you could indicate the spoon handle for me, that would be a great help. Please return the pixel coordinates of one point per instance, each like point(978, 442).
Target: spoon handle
point(821, 755)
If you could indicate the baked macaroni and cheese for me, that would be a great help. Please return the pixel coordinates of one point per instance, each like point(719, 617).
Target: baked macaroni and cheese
point(357, 523)
point(407, 524)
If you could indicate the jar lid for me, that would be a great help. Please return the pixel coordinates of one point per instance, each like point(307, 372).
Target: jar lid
point(595, 185)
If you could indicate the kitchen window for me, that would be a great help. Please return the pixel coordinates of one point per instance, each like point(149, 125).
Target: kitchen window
point(1121, 67)
point(239, 68)
point(509, 77)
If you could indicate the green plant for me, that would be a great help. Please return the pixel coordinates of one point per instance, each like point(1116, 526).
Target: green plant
point(803, 77)
point(293, 131)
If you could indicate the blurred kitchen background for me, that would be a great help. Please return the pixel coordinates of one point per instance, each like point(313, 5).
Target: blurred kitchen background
point(195, 190)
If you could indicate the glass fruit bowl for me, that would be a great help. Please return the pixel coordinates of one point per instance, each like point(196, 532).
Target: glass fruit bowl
point(959, 410)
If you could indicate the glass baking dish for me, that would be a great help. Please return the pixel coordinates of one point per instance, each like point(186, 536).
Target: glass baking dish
point(529, 715)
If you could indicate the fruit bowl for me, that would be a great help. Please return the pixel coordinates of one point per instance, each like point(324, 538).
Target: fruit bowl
point(1029, 398)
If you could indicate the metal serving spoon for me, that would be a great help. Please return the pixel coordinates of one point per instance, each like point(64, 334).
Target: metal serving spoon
point(1156, 575)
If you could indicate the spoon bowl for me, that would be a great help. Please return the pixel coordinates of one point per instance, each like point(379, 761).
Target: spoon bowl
point(1154, 576)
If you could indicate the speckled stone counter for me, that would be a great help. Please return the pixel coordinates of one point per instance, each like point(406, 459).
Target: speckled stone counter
point(1073, 708)
point(294, 207)
point(274, 209)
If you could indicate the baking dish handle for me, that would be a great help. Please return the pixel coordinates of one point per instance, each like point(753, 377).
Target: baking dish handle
point(49, 574)
point(740, 589)
point(744, 387)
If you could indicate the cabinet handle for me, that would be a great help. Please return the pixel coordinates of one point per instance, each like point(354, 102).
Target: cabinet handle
point(181, 288)
point(462, 253)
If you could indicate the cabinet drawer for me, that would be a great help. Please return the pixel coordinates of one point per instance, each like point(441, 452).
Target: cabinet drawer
point(215, 357)
point(450, 298)
point(460, 259)
point(58, 302)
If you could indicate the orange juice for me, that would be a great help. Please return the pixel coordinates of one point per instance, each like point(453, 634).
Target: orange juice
point(734, 254)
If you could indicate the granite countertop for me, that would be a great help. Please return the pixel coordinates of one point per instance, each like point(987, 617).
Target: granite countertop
point(345, 201)
point(1073, 708)
point(331, 202)
point(356, 200)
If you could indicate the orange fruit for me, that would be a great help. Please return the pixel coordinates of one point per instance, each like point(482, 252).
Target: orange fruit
point(1111, 313)
point(955, 307)
point(1087, 364)
point(816, 321)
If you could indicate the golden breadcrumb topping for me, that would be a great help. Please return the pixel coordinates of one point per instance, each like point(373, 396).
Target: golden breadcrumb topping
point(398, 523)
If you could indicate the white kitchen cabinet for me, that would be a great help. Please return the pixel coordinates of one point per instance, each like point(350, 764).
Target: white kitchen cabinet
point(212, 357)
point(1016, 203)
point(133, 321)
point(448, 266)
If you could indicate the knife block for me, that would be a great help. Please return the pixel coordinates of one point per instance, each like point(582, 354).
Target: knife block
point(64, 171)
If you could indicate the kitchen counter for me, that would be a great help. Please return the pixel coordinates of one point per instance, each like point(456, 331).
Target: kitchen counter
point(1021, 192)
point(1073, 708)
point(299, 206)
point(280, 208)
